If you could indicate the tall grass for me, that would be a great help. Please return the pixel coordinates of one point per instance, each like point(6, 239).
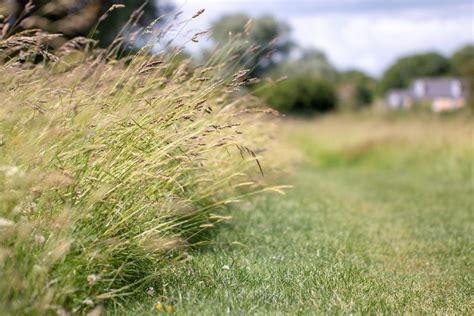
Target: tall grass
point(111, 167)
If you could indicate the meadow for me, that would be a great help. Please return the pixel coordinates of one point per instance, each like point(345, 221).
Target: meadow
point(379, 221)
point(150, 184)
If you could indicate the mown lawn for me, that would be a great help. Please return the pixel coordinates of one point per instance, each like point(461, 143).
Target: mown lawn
point(380, 220)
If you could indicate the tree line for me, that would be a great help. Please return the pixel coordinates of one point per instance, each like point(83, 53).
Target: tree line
point(263, 46)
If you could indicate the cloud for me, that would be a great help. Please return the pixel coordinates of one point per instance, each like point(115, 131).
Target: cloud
point(315, 7)
point(365, 34)
point(372, 41)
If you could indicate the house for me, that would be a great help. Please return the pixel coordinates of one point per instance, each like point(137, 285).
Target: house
point(399, 99)
point(442, 94)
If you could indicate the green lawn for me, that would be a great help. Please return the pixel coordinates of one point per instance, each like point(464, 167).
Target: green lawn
point(374, 224)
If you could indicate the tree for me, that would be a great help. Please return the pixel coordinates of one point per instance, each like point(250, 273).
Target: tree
point(255, 45)
point(405, 69)
point(80, 17)
point(462, 64)
point(357, 88)
point(311, 62)
point(462, 60)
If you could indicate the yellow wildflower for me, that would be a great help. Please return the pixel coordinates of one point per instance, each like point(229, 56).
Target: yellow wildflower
point(169, 308)
point(159, 307)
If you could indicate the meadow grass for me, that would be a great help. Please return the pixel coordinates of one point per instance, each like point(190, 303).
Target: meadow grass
point(112, 167)
point(380, 221)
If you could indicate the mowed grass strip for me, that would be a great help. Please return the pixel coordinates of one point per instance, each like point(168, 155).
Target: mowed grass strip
point(385, 230)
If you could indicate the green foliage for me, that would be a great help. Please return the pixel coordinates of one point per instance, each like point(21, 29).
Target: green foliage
point(300, 94)
point(462, 63)
point(404, 70)
point(149, 11)
point(260, 41)
point(81, 17)
point(360, 86)
point(310, 62)
point(363, 95)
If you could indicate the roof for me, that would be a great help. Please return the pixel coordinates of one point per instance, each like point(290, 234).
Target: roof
point(438, 87)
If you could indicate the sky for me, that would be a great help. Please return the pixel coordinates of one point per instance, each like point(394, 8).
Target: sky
point(357, 34)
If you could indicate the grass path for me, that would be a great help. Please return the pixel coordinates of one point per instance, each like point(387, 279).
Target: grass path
point(354, 236)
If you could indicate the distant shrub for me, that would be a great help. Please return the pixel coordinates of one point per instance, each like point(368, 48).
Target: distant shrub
point(300, 94)
point(355, 90)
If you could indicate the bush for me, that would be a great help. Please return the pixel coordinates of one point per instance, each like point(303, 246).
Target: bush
point(300, 94)
point(356, 89)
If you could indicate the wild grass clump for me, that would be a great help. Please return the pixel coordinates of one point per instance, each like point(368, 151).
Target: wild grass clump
point(111, 167)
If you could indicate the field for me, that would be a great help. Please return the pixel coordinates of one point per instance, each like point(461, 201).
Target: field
point(380, 220)
point(151, 184)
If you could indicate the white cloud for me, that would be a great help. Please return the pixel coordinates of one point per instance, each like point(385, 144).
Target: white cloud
point(371, 42)
point(365, 34)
